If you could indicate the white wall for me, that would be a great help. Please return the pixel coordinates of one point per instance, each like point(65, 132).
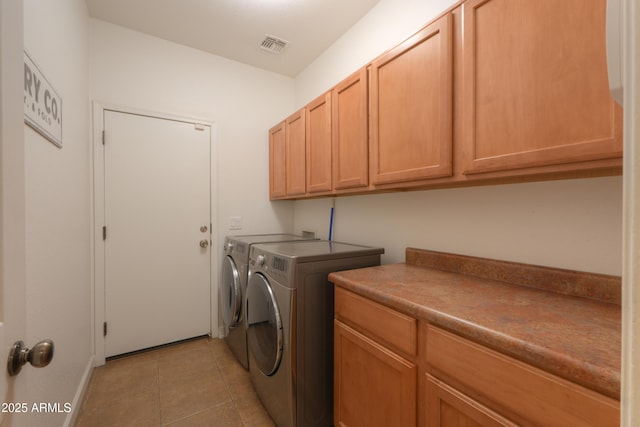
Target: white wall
point(134, 70)
point(386, 25)
point(575, 224)
point(571, 224)
point(58, 249)
point(139, 71)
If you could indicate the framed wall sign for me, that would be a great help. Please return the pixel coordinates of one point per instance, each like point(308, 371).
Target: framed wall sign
point(42, 104)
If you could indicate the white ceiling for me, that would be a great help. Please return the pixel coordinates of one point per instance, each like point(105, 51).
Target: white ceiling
point(235, 28)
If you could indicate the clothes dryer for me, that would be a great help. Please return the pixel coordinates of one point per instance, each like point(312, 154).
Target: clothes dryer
point(290, 325)
point(234, 283)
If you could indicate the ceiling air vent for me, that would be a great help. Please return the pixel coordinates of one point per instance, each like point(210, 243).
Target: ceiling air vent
point(273, 44)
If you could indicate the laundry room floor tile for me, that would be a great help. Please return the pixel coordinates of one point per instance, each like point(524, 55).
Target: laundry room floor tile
point(197, 383)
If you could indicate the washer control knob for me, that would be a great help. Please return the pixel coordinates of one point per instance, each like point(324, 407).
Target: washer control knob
point(260, 260)
point(228, 246)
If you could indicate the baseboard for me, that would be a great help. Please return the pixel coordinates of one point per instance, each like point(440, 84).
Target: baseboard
point(221, 332)
point(76, 405)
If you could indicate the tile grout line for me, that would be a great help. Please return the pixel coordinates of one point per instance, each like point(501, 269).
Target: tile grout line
point(227, 389)
point(157, 361)
point(226, 384)
point(233, 384)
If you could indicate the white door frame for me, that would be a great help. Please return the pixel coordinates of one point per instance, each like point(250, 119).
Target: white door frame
point(98, 265)
point(630, 374)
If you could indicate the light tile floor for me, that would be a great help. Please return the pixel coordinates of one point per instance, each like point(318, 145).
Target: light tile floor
point(193, 384)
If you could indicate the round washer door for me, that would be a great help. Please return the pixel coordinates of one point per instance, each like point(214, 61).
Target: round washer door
point(264, 323)
point(231, 293)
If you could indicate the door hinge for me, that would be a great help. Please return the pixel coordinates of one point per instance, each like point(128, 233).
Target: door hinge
point(103, 136)
point(104, 232)
point(104, 329)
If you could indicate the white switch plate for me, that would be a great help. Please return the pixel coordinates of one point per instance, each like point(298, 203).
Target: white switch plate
point(235, 223)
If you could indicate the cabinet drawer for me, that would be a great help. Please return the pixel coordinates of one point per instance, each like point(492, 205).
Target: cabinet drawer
point(526, 392)
point(446, 406)
point(383, 323)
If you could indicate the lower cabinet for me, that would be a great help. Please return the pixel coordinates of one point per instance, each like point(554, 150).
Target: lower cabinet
point(375, 374)
point(384, 375)
point(522, 393)
point(373, 386)
point(447, 407)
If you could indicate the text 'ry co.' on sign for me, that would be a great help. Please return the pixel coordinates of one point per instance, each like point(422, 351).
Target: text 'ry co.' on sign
point(42, 104)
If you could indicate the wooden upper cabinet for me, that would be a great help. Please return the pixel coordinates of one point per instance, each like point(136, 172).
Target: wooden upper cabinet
point(531, 99)
point(277, 164)
point(295, 153)
point(350, 132)
point(535, 85)
point(411, 107)
point(318, 136)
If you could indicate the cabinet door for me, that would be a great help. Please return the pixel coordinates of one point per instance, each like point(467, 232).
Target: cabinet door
point(277, 164)
point(350, 133)
point(318, 132)
point(411, 108)
point(372, 385)
point(529, 395)
point(447, 407)
point(295, 154)
point(535, 84)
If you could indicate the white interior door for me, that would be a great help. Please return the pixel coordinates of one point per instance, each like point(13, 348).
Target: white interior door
point(12, 210)
point(157, 215)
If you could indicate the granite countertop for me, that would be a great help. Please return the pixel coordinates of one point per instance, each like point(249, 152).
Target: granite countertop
point(564, 322)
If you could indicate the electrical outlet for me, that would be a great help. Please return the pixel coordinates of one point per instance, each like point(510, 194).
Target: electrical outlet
point(235, 223)
point(309, 234)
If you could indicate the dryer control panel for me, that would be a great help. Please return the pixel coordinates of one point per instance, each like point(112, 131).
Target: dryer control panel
point(279, 264)
point(275, 266)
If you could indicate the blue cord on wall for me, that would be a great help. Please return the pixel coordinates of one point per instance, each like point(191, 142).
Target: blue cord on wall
point(331, 224)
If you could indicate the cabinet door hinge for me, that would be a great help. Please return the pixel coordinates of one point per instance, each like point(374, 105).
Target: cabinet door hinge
point(103, 137)
point(104, 232)
point(104, 329)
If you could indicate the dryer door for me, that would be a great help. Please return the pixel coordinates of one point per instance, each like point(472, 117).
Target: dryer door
point(231, 293)
point(264, 323)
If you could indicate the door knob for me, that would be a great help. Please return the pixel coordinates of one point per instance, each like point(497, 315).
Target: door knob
point(39, 356)
point(203, 229)
point(204, 243)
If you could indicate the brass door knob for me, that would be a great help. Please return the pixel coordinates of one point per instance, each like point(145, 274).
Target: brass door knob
point(204, 243)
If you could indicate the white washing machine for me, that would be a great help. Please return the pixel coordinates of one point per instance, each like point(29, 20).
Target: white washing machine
point(290, 325)
point(234, 283)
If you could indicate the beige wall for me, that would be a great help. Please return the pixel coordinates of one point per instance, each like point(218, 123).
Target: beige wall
point(575, 224)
